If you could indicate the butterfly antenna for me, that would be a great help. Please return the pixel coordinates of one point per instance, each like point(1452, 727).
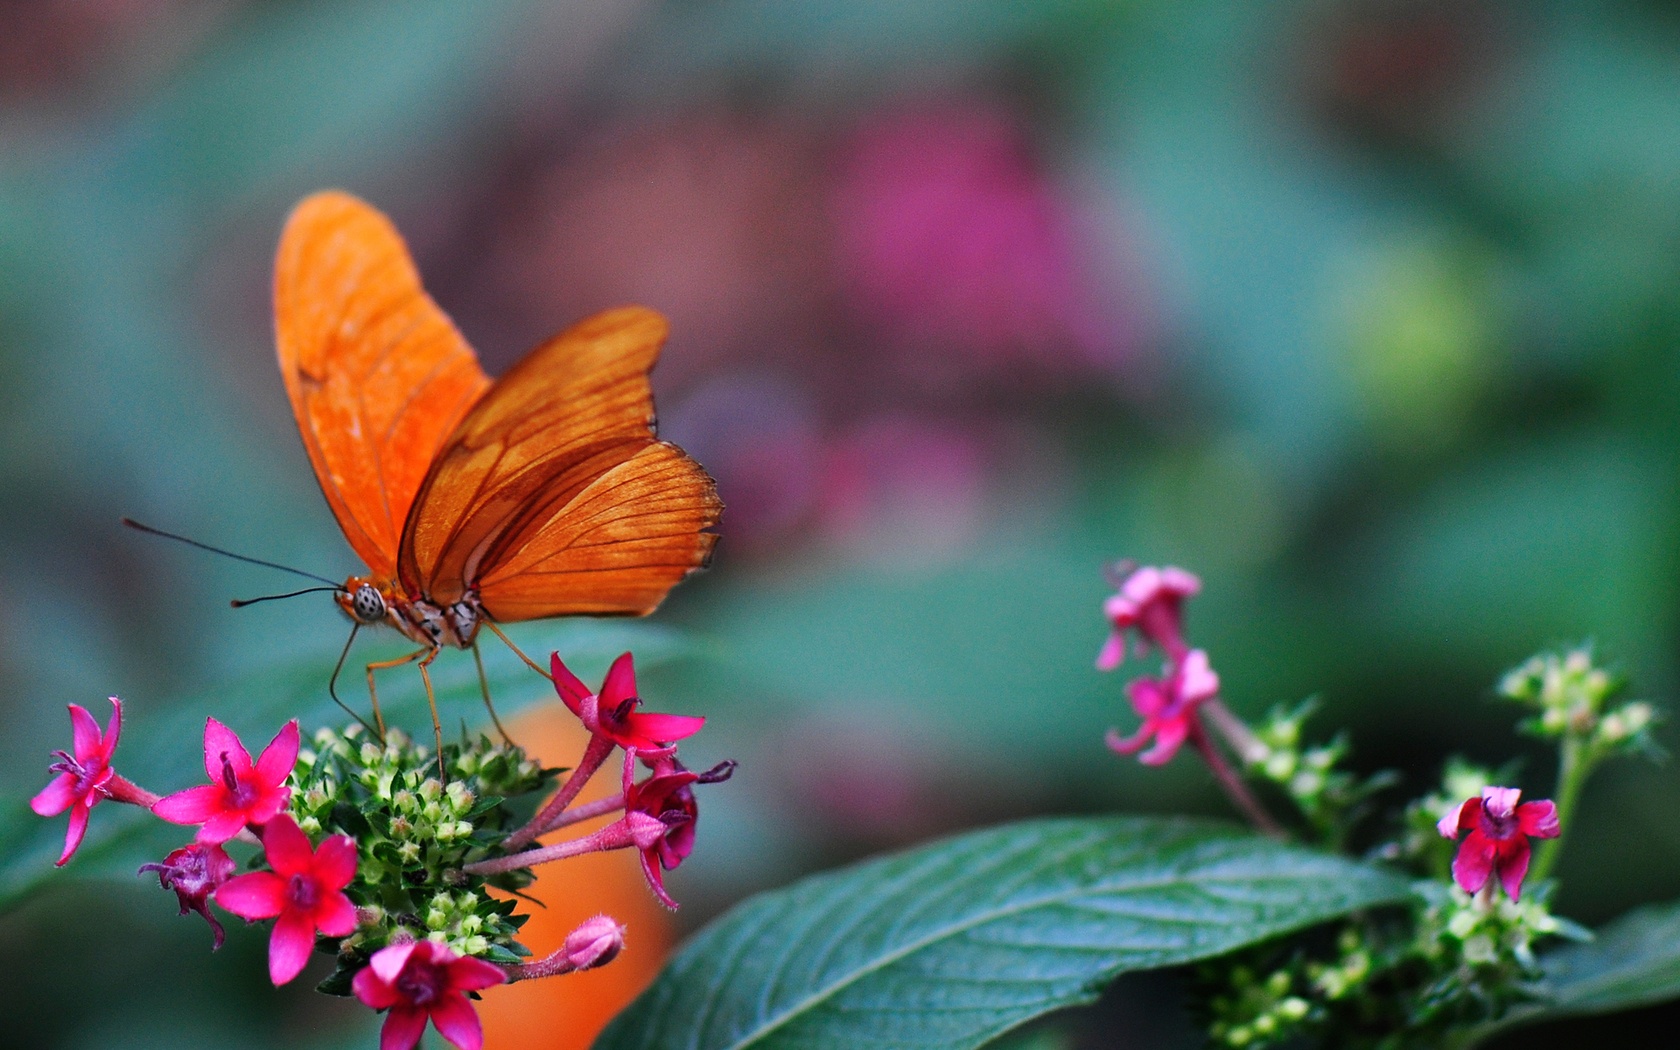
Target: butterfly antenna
point(332, 682)
point(240, 603)
point(135, 525)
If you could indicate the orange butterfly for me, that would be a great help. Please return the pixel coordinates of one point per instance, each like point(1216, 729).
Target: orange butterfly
point(543, 493)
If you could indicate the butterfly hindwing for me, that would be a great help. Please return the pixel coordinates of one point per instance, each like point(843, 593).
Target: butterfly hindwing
point(552, 495)
point(377, 374)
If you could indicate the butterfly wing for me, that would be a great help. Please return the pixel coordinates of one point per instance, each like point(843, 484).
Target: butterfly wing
point(553, 496)
point(378, 376)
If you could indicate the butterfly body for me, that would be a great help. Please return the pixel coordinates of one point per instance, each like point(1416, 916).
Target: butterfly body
point(542, 493)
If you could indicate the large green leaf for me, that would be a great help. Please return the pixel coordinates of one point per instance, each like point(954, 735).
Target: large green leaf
point(953, 943)
point(162, 749)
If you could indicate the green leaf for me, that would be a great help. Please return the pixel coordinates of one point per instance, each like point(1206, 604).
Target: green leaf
point(162, 744)
point(950, 944)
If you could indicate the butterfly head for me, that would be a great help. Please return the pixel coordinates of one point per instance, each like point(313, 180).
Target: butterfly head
point(363, 600)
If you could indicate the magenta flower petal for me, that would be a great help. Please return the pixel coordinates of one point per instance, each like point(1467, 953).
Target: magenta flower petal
point(474, 975)
point(1539, 819)
point(278, 758)
point(287, 847)
point(457, 1021)
point(1458, 818)
point(374, 993)
point(1113, 652)
point(1474, 862)
point(387, 963)
point(73, 834)
point(335, 861)
point(1512, 861)
point(84, 732)
point(572, 691)
point(656, 879)
point(664, 729)
point(620, 683)
point(1168, 739)
point(195, 805)
point(220, 741)
point(113, 730)
point(336, 916)
point(256, 895)
point(403, 1027)
point(58, 796)
point(290, 945)
point(222, 826)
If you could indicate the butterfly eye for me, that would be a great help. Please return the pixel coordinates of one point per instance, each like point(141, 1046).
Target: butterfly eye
point(367, 604)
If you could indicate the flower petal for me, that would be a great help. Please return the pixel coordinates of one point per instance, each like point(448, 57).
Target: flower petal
point(1498, 803)
point(656, 878)
point(335, 916)
point(1113, 652)
point(252, 896)
point(1474, 861)
point(404, 1026)
point(287, 847)
point(1197, 680)
point(1170, 735)
point(1148, 696)
point(289, 948)
point(571, 689)
point(84, 733)
point(219, 740)
point(457, 1021)
point(193, 806)
point(1539, 819)
point(620, 683)
point(467, 974)
point(1456, 819)
point(56, 797)
point(387, 963)
point(335, 862)
point(278, 758)
point(222, 826)
point(1126, 745)
point(73, 834)
point(113, 730)
point(1513, 857)
point(663, 729)
point(373, 992)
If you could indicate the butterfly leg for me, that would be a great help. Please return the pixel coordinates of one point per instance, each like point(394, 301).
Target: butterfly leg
point(431, 701)
point(332, 688)
point(484, 687)
point(532, 664)
point(373, 694)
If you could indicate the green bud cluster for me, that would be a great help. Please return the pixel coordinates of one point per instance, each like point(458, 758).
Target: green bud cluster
point(1329, 797)
point(1570, 696)
point(414, 832)
point(1260, 1010)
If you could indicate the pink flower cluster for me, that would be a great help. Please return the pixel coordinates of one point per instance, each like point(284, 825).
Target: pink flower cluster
point(1148, 611)
point(303, 886)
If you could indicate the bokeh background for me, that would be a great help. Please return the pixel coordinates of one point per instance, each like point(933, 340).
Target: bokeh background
point(1366, 311)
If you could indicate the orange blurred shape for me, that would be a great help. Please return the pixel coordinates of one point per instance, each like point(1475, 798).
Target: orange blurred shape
point(567, 1012)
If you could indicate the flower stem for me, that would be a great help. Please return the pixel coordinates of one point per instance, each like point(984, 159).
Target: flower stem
point(595, 754)
point(120, 789)
point(1234, 787)
point(1574, 764)
point(613, 836)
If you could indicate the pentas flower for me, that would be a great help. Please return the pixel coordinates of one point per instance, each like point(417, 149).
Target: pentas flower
point(1151, 602)
point(304, 894)
point(86, 778)
point(612, 714)
point(240, 793)
point(659, 814)
point(422, 980)
point(1497, 843)
point(194, 872)
point(1168, 708)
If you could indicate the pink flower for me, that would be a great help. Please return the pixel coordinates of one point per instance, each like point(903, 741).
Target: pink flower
point(240, 793)
point(1151, 602)
point(422, 979)
point(596, 942)
point(660, 813)
point(85, 778)
point(194, 872)
point(1168, 709)
point(1497, 845)
point(612, 713)
point(304, 894)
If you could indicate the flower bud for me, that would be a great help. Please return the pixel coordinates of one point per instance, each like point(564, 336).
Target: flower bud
point(595, 943)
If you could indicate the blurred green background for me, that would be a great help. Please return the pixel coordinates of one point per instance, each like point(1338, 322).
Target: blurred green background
point(1365, 311)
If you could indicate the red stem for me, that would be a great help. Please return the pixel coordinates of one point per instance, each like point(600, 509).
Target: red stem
point(593, 756)
point(1234, 787)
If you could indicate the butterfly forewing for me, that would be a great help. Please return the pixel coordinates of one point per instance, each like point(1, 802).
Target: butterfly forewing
point(552, 495)
point(377, 374)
